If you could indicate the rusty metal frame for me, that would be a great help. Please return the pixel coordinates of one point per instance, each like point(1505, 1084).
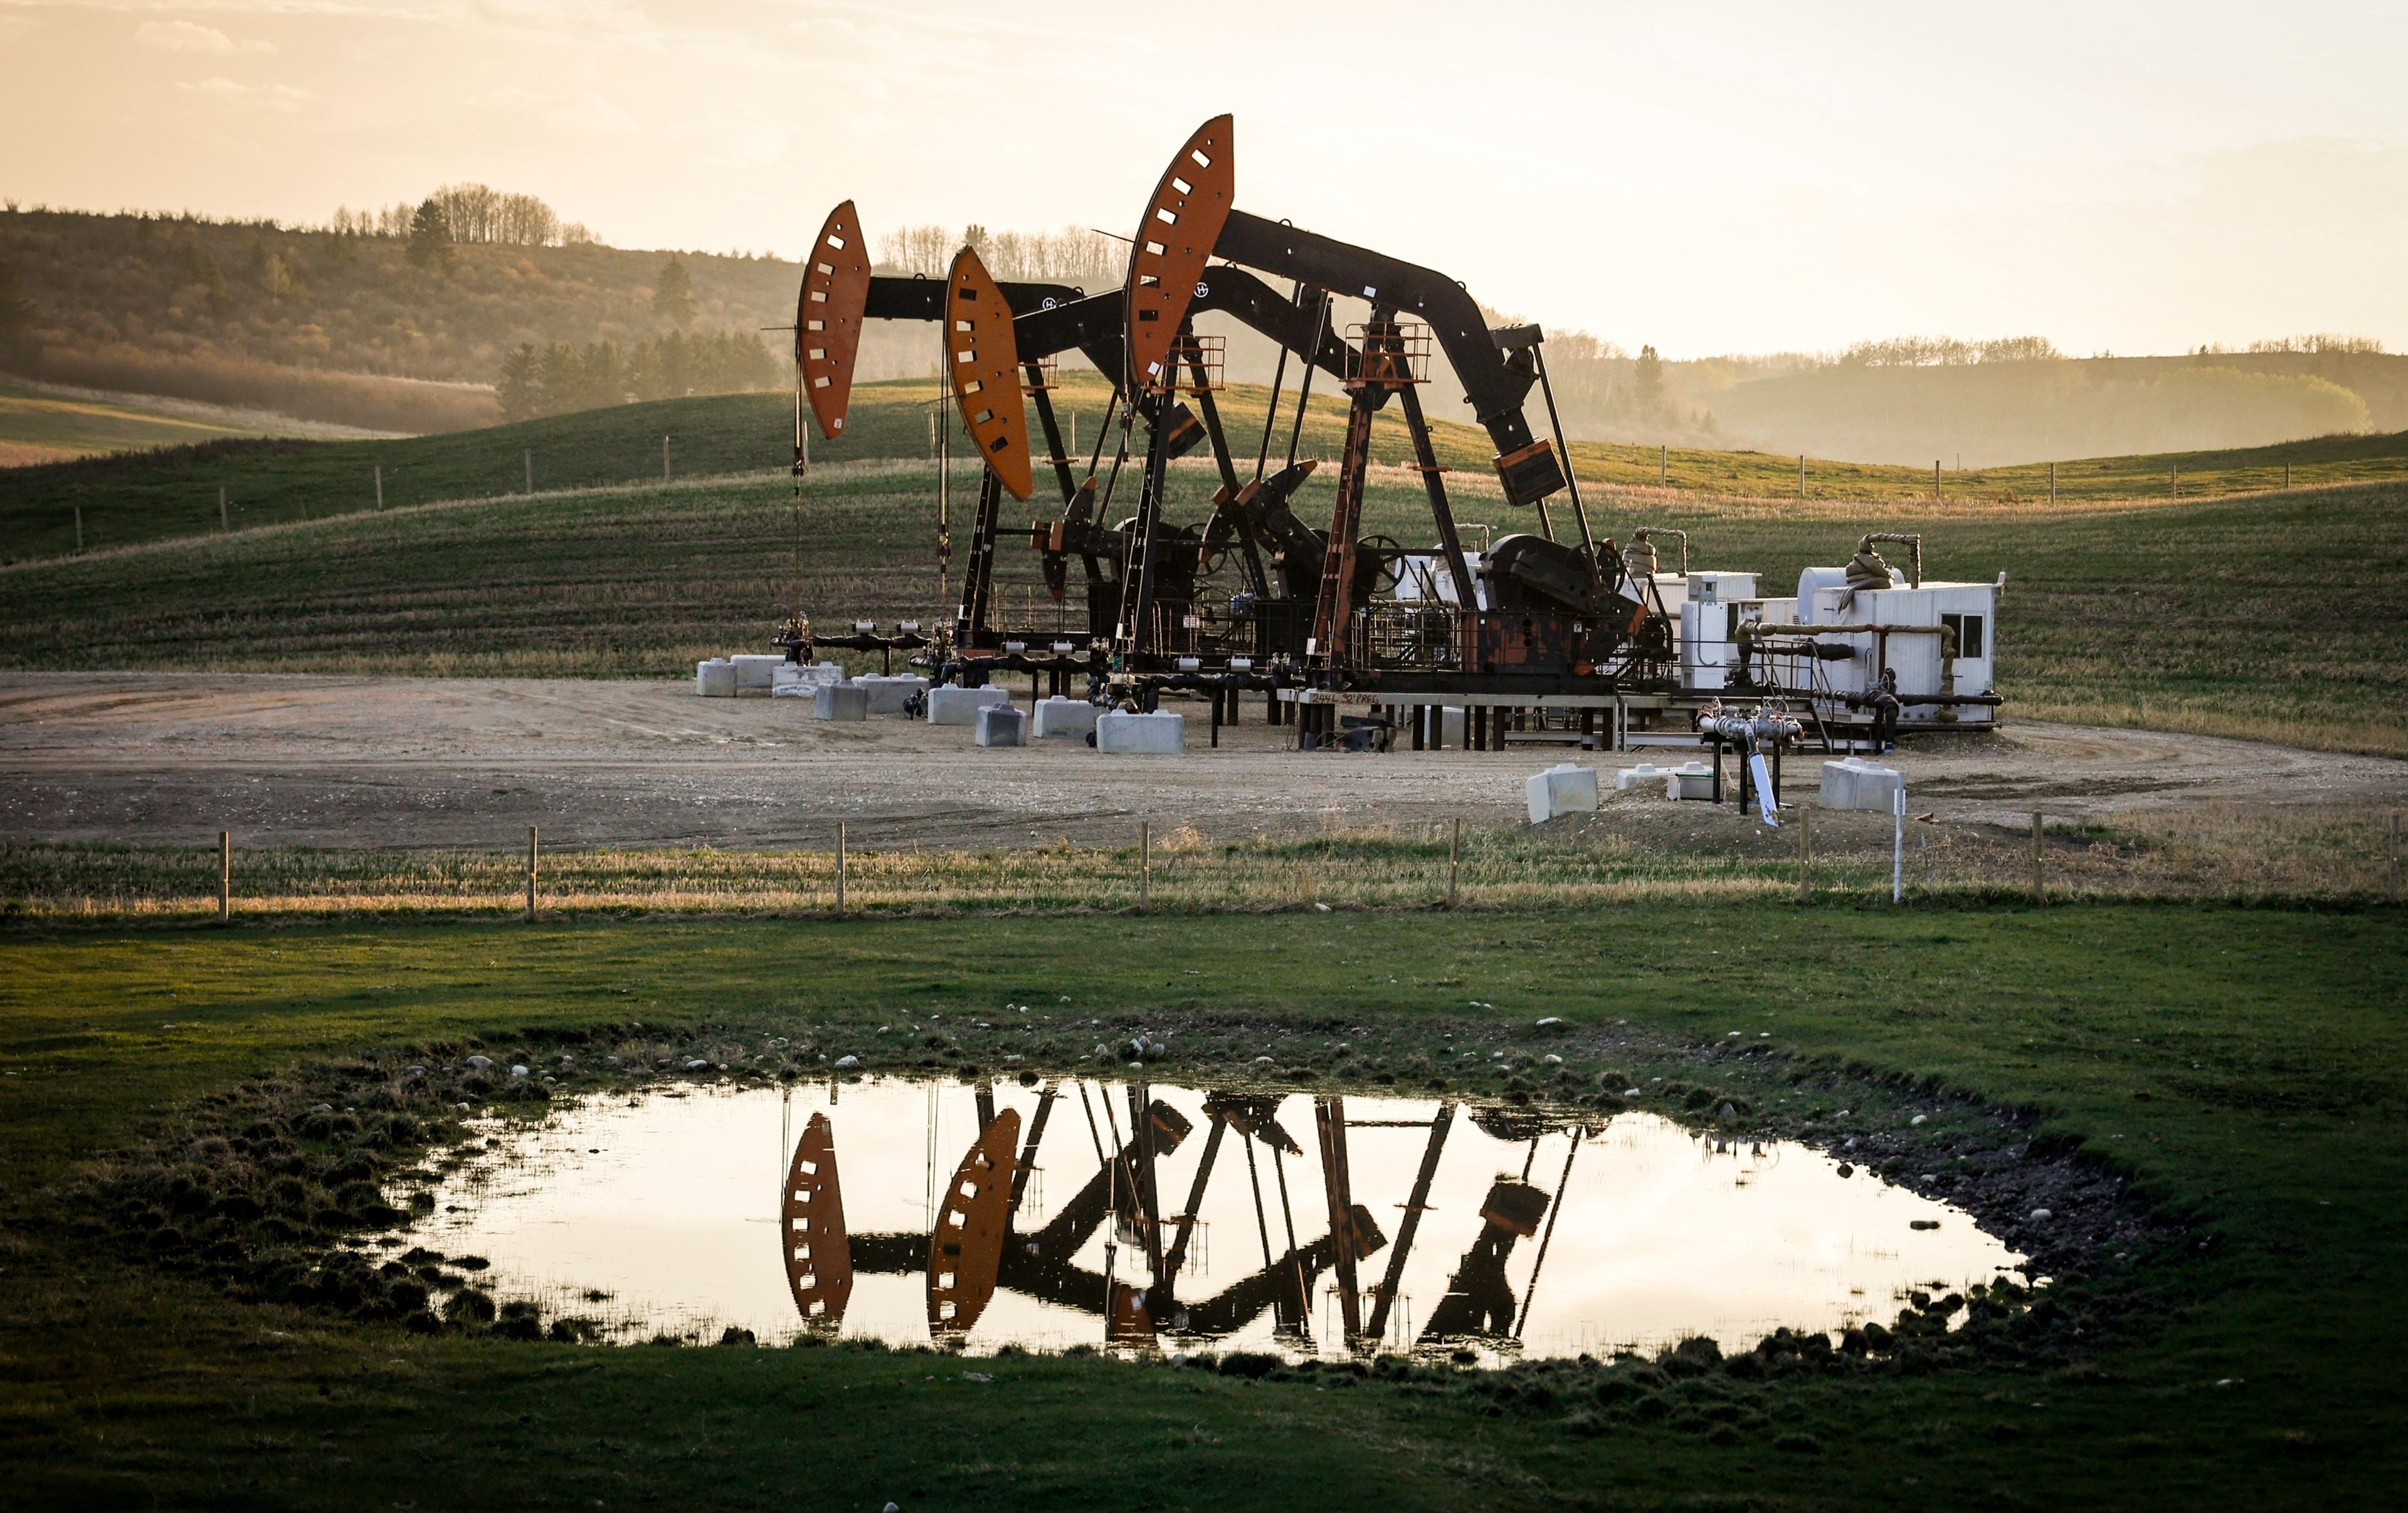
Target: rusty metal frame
point(818, 1250)
point(828, 316)
point(984, 363)
point(1174, 241)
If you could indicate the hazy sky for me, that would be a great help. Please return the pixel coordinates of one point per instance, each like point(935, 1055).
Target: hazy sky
point(2133, 178)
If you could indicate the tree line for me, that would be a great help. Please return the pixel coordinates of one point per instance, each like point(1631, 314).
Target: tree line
point(1072, 255)
point(472, 214)
point(559, 377)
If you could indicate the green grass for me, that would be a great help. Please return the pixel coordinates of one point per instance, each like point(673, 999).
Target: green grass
point(2248, 1068)
point(38, 425)
point(147, 496)
point(2282, 617)
point(2325, 854)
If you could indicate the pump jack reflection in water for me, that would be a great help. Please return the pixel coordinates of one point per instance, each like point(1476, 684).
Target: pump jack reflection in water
point(975, 1247)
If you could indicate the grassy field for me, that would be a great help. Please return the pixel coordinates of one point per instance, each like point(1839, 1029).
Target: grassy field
point(147, 496)
point(2327, 853)
point(2246, 1068)
point(2283, 616)
point(42, 423)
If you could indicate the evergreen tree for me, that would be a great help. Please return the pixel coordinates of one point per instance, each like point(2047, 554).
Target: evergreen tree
point(15, 316)
point(519, 391)
point(673, 294)
point(1647, 384)
point(430, 238)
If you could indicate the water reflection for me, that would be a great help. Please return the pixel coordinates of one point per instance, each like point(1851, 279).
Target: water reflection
point(917, 1212)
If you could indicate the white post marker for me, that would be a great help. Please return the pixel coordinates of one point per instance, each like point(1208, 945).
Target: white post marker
point(1897, 845)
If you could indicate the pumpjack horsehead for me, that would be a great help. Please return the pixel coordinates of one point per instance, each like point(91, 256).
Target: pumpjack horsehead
point(1545, 610)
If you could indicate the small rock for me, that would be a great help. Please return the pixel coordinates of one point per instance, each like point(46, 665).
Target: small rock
point(846, 1064)
point(1918, 1119)
point(2041, 1215)
point(976, 1376)
point(1322, 908)
point(1923, 1224)
point(480, 1062)
point(1265, 1060)
point(1846, 1169)
point(1630, 1092)
point(415, 1071)
point(696, 1064)
point(518, 1072)
point(1551, 1059)
point(892, 1508)
point(1549, 1022)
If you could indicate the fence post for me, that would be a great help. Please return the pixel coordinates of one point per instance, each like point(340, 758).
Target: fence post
point(380, 486)
point(2394, 868)
point(1898, 846)
point(664, 459)
point(222, 509)
point(2040, 883)
point(225, 876)
point(1935, 480)
point(839, 869)
point(1144, 866)
point(526, 464)
point(79, 510)
point(1805, 853)
point(531, 865)
point(1454, 859)
point(2052, 482)
point(1664, 465)
point(1802, 475)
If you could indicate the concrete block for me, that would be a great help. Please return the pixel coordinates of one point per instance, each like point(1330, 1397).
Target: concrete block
point(1644, 775)
point(887, 695)
point(715, 678)
point(1159, 734)
point(795, 674)
point(1000, 725)
point(1854, 783)
point(756, 673)
point(1690, 780)
point(1565, 788)
point(955, 705)
point(840, 701)
point(1451, 725)
point(1071, 717)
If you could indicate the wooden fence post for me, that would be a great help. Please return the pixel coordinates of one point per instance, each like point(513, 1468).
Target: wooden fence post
point(664, 459)
point(380, 486)
point(530, 877)
point(225, 876)
point(1935, 480)
point(2040, 882)
point(222, 509)
point(79, 510)
point(1805, 853)
point(839, 869)
point(1145, 865)
point(1454, 859)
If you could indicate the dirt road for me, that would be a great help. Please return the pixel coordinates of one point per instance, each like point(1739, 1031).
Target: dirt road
point(322, 761)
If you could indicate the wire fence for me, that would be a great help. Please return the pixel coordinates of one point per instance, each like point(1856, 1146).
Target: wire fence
point(2322, 855)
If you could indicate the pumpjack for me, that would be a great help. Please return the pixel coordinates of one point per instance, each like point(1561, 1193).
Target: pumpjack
point(984, 1240)
point(1320, 616)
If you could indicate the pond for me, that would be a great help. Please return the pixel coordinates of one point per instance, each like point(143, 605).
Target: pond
point(919, 1212)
